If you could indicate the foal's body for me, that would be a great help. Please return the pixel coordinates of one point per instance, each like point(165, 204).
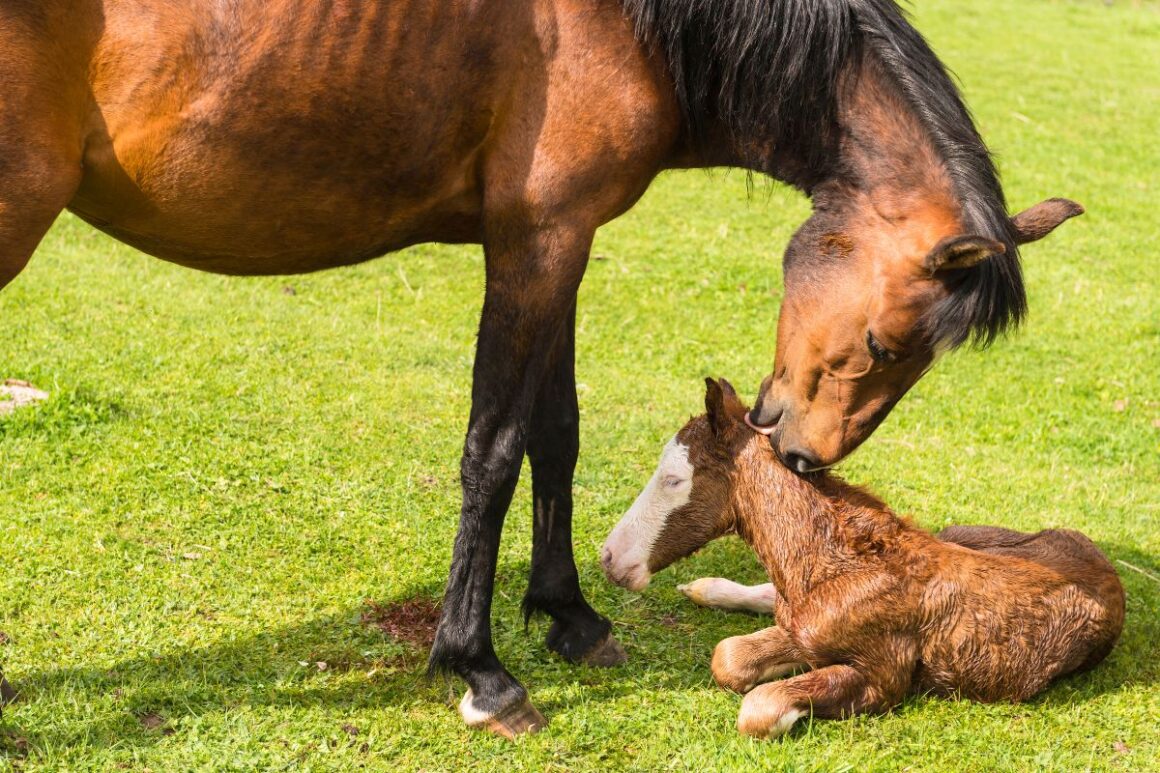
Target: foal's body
point(875, 607)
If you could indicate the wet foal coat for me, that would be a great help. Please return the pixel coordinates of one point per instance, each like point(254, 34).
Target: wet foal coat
point(872, 606)
point(278, 136)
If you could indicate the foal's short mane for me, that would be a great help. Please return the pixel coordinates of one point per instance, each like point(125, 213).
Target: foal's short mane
point(770, 71)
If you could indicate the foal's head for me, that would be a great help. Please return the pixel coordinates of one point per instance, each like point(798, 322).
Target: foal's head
point(688, 502)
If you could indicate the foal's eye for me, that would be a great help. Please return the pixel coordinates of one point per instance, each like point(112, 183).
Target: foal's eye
point(879, 352)
point(673, 481)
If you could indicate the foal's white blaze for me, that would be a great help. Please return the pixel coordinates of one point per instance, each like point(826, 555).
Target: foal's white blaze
point(626, 551)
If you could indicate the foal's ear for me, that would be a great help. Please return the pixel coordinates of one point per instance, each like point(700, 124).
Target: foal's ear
point(958, 252)
point(1033, 223)
point(715, 405)
point(722, 405)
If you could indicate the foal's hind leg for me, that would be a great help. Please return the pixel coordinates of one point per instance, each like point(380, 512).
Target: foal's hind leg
point(742, 662)
point(719, 593)
point(578, 633)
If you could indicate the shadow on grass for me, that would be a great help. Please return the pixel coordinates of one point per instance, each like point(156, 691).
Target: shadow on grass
point(339, 663)
point(142, 700)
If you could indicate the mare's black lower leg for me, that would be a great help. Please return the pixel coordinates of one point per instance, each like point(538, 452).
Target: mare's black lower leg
point(578, 632)
point(524, 310)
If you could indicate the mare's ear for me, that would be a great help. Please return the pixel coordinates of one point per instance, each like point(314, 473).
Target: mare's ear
point(1033, 223)
point(722, 405)
point(958, 252)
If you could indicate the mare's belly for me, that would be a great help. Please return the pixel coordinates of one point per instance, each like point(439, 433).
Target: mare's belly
point(324, 138)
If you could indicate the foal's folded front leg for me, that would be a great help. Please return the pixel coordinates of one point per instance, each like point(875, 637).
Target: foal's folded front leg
point(831, 692)
point(742, 662)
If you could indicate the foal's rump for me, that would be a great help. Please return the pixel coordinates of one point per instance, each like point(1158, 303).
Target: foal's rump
point(1066, 551)
point(1069, 553)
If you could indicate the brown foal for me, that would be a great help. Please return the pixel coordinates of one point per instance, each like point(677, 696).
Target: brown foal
point(869, 606)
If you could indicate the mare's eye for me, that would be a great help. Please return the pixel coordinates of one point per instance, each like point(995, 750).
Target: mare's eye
point(672, 481)
point(879, 352)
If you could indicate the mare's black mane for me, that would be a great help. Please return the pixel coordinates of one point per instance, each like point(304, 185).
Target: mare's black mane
point(769, 72)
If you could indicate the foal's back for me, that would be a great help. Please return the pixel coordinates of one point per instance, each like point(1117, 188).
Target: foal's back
point(1018, 611)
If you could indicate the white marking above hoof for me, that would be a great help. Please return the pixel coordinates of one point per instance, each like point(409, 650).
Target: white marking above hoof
point(764, 713)
point(509, 722)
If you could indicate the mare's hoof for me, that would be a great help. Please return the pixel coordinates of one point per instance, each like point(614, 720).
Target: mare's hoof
point(606, 653)
point(7, 694)
point(517, 719)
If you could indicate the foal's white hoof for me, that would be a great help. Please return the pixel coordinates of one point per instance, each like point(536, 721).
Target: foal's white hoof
point(719, 593)
point(765, 713)
point(517, 719)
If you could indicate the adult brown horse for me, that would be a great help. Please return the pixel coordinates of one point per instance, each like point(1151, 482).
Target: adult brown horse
point(276, 136)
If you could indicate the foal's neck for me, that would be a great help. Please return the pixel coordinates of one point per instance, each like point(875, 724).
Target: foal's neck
point(801, 528)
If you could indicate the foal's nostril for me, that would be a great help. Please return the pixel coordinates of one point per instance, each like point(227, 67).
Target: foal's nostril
point(606, 558)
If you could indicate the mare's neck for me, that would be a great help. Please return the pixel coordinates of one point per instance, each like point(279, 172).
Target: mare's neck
point(877, 151)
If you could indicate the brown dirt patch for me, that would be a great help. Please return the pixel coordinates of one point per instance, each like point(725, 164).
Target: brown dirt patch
point(15, 393)
point(412, 621)
point(154, 722)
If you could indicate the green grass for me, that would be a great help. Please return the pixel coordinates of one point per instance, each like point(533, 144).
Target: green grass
point(225, 470)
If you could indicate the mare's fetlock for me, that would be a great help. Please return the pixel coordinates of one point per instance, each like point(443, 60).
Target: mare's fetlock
point(585, 639)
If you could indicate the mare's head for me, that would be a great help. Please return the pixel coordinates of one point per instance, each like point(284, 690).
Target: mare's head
point(875, 288)
point(910, 250)
point(688, 501)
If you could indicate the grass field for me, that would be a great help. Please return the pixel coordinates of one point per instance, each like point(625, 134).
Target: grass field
point(228, 468)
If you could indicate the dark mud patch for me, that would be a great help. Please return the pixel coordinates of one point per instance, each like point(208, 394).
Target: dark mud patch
point(155, 723)
point(412, 621)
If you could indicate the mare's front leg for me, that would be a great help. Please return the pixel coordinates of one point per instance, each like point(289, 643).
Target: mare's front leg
point(742, 662)
point(532, 278)
point(578, 633)
point(7, 694)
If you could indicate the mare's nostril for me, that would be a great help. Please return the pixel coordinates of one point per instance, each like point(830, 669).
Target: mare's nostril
point(799, 462)
point(606, 558)
point(761, 418)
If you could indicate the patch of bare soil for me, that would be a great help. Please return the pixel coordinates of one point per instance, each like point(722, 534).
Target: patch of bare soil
point(15, 393)
point(412, 621)
point(153, 721)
